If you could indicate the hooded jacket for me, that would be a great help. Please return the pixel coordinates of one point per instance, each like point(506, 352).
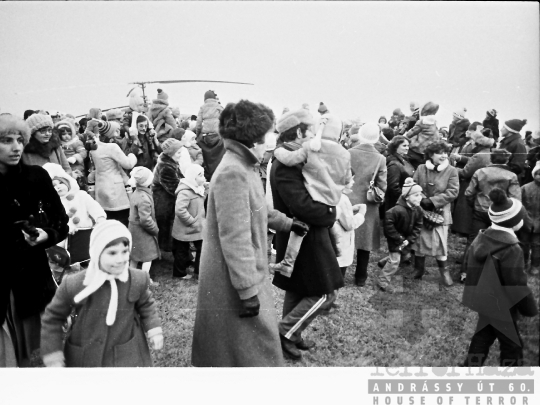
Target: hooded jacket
point(74, 147)
point(189, 214)
point(425, 131)
point(208, 117)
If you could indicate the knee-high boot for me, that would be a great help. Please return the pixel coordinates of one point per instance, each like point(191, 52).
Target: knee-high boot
point(419, 267)
point(446, 280)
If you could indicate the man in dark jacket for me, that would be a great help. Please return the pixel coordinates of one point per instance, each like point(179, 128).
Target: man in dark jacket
point(513, 143)
point(492, 123)
point(316, 274)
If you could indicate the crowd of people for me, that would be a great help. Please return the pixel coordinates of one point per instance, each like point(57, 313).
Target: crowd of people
point(238, 195)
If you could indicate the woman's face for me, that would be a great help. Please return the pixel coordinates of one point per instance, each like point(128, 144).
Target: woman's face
point(11, 148)
point(439, 158)
point(43, 135)
point(403, 148)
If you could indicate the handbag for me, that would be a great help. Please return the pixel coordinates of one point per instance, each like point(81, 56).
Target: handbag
point(374, 194)
point(432, 219)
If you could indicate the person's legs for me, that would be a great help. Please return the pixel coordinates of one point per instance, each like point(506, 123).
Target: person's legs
point(391, 266)
point(419, 266)
point(535, 254)
point(362, 260)
point(181, 256)
point(121, 216)
point(446, 279)
point(511, 353)
point(198, 248)
point(479, 347)
point(285, 267)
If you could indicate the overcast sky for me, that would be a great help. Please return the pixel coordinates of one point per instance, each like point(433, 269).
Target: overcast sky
point(361, 59)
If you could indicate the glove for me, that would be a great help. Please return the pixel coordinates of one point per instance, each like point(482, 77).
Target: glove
point(427, 204)
point(298, 227)
point(157, 341)
point(250, 307)
point(72, 160)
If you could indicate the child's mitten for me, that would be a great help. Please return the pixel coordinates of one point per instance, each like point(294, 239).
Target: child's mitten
point(156, 337)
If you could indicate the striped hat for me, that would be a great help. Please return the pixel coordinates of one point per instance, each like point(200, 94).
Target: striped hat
point(107, 128)
point(504, 211)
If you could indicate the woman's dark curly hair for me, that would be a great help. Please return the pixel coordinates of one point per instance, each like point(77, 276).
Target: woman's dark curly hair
point(245, 122)
point(436, 147)
point(394, 144)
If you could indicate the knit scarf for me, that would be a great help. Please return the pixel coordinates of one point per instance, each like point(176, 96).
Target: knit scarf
point(439, 168)
point(94, 280)
point(43, 149)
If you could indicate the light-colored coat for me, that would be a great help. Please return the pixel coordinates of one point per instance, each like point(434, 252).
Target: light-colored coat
point(208, 117)
point(109, 162)
point(91, 343)
point(189, 214)
point(344, 228)
point(143, 226)
point(364, 162)
point(234, 266)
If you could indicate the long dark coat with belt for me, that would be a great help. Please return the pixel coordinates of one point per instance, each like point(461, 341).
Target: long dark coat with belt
point(234, 267)
point(398, 168)
point(316, 270)
point(25, 269)
point(167, 175)
point(365, 160)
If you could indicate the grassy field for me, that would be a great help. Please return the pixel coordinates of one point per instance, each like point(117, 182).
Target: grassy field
point(423, 326)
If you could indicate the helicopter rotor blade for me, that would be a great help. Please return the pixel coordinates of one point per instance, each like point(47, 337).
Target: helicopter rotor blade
point(192, 81)
point(131, 91)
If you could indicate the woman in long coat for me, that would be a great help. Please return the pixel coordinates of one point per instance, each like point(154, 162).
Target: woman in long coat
point(44, 145)
point(230, 329)
point(399, 168)
point(26, 286)
point(365, 162)
point(440, 184)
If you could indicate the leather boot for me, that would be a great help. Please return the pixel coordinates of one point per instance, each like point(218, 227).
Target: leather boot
point(446, 280)
point(419, 267)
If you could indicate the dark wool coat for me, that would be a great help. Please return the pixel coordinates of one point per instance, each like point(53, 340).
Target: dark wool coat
point(493, 124)
point(166, 178)
point(402, 223)
point(147, 153)
point(316, 270)
point(364, 161)
point(143, 226)
point(514, 144)
point(91, 343)
point(457, 132)
point(398, 168)
point(37, 153)
point(532, 157)
point(530, 197)
point(25, 269)
point(234, 266)
point(510, 267)
point(213, 149)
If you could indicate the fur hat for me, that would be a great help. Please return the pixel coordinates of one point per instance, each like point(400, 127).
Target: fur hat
point(504, 211)
point(142, 176)
point(322, 108)
point(178, 133)
point(114, 114)
point(108, 129)
point(9, 124)
point(410, 188)
point(209, 94)
point(514, 125)
point(369, 133)
point(59, 255)
point(482, 140)
point(332, 129)
point(171, 146)
point(492, 112)
point(460, 113)
point(38, 121)
point(294, 118)
point(188, 138)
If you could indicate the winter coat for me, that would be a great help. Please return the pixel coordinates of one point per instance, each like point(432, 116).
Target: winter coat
point(189, 214)
point(532, 157)
point(208, 117)
point(493, 124)
point(146, 151)
point(161, 116)
point(514, 144)
point(398, 169)
point(484, 180)
point(457, 132)
point(196, 154)
point(167, 176)
point(111, 179)
point(37, 153)
point(344, 228)
point(91, 343)
point(481, 159)
point(364, 161)
point(74, 148)
point(402, 223)
point(530, 197)
point(424, 132)
point(316, 270)
point(26, 273)
point(234, 267)
point(213, 149)
point(143, 226)
point(440, 187)
point(82, 209)
point(509, 266)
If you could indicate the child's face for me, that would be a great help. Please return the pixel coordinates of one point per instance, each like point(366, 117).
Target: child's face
point(55, 267)
point(60, 188)
point(415, 199)
point(65, 135)
point(200, 179)
point(537, 177)
point(114, 259)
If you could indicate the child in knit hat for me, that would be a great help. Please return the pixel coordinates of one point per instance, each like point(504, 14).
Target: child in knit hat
point(402, 226)
point(208, 116)
point(496, 284)
point(326, 169)
point(114, 307)
point(190, 142)
point(142, 221)
point(188, 221)
point(161, 116)
point(423, 134)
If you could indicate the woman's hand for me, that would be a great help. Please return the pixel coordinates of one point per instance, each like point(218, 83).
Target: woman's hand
point(250, 307)
point(42, 237)
point(359, 208)
point(298, 227)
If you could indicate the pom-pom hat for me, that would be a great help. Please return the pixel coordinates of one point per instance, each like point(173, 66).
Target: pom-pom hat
point(107, 128)
point(515, 125)
point(504, 211)
point(38, 121)
point(209, 94)
point(294, 118)
point(322, 108)
point(460, 113)
point(410, 188)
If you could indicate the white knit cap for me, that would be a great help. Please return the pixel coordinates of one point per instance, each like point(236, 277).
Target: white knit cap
point(142, 176)
point(369, 133)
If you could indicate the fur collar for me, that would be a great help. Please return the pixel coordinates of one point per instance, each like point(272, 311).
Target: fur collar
point(439, 168)
point(43, 149)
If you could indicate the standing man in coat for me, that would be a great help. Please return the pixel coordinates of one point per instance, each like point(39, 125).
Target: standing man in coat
point(513, 143)
point(316, 274)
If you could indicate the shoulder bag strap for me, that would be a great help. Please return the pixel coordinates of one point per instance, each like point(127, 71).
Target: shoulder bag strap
point(375, 173)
